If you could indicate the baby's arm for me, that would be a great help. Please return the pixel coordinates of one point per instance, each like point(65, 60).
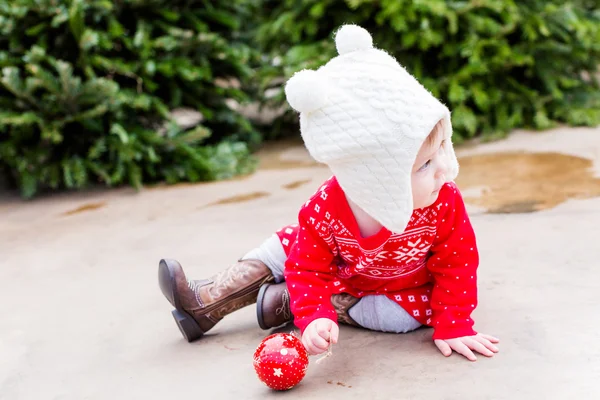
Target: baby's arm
point(308, 272)
point(453, 263)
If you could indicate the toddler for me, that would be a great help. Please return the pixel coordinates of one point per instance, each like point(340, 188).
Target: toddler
point(384, 244)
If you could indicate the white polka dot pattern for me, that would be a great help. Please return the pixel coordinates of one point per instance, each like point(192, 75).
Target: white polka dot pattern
point(429, 269)
point(280, 361)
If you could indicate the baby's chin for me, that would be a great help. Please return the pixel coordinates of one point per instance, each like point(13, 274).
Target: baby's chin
point(430, 201)
point(434, 196)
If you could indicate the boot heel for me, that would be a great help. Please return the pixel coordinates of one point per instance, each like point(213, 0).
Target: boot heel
point(188, 327)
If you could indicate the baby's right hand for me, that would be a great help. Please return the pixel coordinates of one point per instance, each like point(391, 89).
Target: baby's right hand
point(318, 334)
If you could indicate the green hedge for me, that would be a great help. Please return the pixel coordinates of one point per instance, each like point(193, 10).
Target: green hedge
point(497, 64)
point(87, 88)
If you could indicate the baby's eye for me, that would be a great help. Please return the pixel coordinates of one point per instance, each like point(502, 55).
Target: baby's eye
point(424, 167)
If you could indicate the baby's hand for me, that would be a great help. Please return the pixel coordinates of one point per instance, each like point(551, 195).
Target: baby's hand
point(318, 334)
point(481, 343)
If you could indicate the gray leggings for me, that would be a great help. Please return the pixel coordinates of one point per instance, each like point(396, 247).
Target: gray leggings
point(375, 312)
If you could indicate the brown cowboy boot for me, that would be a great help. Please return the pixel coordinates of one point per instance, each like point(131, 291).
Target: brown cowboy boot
point(273, 306)
point(200, 304)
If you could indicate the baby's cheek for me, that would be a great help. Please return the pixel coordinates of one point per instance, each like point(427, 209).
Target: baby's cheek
point(419, 197)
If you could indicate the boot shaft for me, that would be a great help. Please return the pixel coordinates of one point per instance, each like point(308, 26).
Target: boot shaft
point(231, 289)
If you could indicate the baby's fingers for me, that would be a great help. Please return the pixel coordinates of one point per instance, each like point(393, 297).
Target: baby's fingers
point(443, 347)
point(313, 350)
point(462, 348)
point(335, 333)
point(311, 347)
point(318, 340)
point(323, 329)
point(490, 338)
point(486, 343)
point(478, 347)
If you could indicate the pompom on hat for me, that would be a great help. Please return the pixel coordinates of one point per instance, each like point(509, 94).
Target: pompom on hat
point(365, 117)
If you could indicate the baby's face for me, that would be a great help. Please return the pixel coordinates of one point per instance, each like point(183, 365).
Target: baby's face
point(429, 173)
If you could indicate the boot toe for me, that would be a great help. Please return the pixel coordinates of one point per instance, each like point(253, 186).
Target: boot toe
point(259, 307)
point(166, 278)
point(273, 306)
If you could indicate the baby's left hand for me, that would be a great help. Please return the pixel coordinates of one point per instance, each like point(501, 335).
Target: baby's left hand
point(481, 343)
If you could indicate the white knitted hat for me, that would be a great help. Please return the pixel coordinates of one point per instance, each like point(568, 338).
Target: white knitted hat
point(366, 117)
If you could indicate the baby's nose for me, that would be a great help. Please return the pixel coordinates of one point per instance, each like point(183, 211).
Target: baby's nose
point(443, 168)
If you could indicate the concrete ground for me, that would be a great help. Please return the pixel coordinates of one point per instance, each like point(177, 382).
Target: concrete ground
point(83, 317)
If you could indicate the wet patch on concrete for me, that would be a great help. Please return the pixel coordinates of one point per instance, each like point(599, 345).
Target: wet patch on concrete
point(519, 182)
point(238, 199)
point(339, 384)
point(274, 163)
point(296, 184)
point(85, 207)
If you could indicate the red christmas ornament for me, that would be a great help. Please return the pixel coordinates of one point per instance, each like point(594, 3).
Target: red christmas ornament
point(280, 361)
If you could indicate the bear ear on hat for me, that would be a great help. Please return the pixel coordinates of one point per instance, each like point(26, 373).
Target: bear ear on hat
point(306, 91)
point(351, 38)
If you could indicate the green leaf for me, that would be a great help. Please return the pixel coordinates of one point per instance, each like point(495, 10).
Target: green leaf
point(92, 113)
point(18, 119)
point(457, 94)
point(317, 10)
point(115, 28)
point(80, 174)
point(67, 173)
point(167, 43)
point(452, 23)
point(141, 35)
point(76, 19)
point(117, 129)
point(150, 67)
point(68, 82)
point(36, 29)
point(195, 135)
point(223, 17)
point(44, 79)
point(11, 79)
point(135, 176)
point(28, 184)
point(142, 101)
point(89, 40)
point(541, 120)
point(171, 16)
point(100, 171)
point(60, 18)
point(52, 133)
point(481, 97)
point(97, 149)
point(463, 117)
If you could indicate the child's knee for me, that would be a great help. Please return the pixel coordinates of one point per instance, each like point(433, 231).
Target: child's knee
point(270, 253)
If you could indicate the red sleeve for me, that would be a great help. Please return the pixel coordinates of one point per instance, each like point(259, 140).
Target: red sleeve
point(453, 264)
point(309, 268)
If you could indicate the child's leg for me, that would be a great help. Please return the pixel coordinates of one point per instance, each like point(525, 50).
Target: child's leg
point(379, 313)
point(271, 253)
point(201, 304)
point(376, 312)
